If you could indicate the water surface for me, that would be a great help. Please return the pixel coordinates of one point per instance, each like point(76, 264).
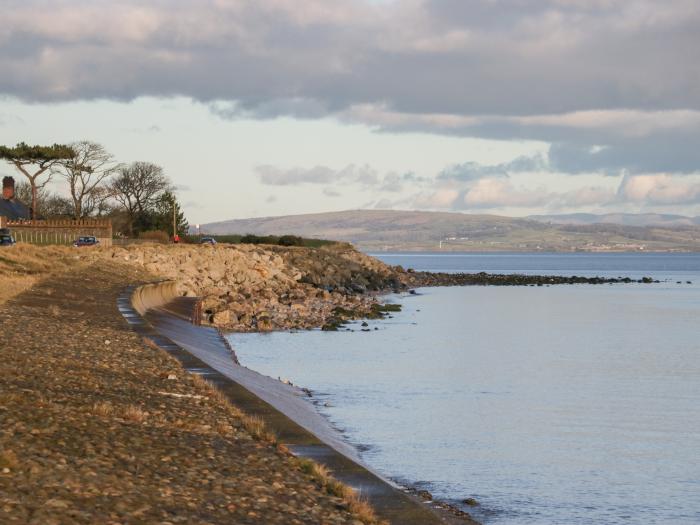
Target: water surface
point(550, 405)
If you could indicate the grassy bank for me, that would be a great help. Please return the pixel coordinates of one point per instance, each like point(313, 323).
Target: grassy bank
point(23, 265)
point(98, 427)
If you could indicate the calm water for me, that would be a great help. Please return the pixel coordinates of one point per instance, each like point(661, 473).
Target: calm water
point(552, 405)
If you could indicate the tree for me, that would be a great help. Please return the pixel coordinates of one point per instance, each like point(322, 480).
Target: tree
point(42, 158)
point(137, 187)
point(86, 172)
point(168, 215)
point(99, 202)
point(48, 204)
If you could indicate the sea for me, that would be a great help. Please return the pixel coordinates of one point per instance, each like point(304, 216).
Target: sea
point(565, 404)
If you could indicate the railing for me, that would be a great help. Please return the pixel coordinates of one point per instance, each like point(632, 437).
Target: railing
point(54, 237)
point(59, 223)
point(59, 231)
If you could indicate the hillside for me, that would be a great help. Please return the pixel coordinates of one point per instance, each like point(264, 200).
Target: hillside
point(418, 230)
point(626, 219)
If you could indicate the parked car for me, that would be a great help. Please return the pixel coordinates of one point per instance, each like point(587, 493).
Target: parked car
point(6, 240)
point(87, 240)
point(207, 240)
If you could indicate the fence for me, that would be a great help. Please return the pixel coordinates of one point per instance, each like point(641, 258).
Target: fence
point(59, 231)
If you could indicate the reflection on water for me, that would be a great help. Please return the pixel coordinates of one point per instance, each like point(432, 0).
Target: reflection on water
point(571, 404)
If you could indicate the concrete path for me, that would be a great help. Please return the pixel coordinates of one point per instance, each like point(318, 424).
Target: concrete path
point(292, 418)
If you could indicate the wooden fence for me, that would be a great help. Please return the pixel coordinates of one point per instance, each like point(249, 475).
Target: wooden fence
point(59, 231)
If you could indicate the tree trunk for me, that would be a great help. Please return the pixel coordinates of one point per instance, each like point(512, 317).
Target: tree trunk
point(33, 209)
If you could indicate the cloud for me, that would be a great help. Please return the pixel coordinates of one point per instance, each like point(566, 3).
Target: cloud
point(395, 182)
point(576, 73)
point(351, 174)
point(473, 186)
point(330, 192)
point(635, 193)
point(658, 190)
point(493, 193)
point(474, 171)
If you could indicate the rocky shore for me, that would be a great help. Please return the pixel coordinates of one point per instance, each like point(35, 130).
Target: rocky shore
point(248, 288)
point(418, 279)
point(261, 288)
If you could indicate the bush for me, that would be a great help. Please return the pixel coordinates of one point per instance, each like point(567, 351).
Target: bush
point(249, 238)
point(155, 236)
point(284, 240)
point(290, 240)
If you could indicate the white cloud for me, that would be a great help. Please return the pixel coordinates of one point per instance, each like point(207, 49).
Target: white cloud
point(494, 193)
point(658, 190)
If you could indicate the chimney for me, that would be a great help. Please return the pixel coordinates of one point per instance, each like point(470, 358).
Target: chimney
point(8, 188)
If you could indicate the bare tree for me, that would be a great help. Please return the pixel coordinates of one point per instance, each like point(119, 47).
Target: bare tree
point(137, 188)
point(98, 202)
point(48, 204)
point(86, 172)
point(43, 158)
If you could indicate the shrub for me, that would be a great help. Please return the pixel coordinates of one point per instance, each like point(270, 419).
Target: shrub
point(290, 240)
point(284, 240)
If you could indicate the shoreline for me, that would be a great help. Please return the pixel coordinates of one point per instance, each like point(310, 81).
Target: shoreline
point(414, 489)
point(221, 367)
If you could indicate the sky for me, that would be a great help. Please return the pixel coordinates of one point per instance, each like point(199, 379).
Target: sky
point(275, 107)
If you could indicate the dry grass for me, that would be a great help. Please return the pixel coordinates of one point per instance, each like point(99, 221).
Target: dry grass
point(8, 460)
point(356, 504)
point(14, 285)
point(103, 409)
point(253, 424)
point(257, 428)
point(134, 414)
point(23, 265)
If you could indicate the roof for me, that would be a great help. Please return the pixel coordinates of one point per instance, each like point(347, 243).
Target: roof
point(13, 209)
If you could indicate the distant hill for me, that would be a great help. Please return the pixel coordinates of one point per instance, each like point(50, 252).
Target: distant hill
point(626, 219)
point(419, 230)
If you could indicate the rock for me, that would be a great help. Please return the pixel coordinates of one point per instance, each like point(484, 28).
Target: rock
point(222, 318)
point(471, 502)
point(424, 494)
point(358, 288)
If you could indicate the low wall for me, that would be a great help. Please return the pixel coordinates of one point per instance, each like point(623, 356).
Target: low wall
point(153, 295)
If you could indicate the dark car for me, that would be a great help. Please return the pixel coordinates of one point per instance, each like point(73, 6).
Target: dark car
point(6, 240)
point(207, 240)
point(87, 240)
